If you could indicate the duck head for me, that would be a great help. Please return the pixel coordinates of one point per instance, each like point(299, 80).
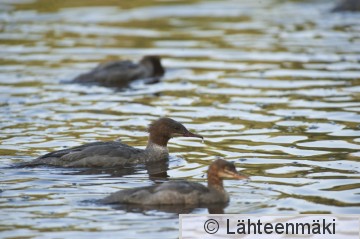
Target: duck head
point(225, 170)
point(154, 62)
point(163, 129)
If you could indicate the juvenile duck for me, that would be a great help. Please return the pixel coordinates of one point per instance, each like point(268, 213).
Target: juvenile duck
point(181, 192)
point(114, 153)
point(122, 73)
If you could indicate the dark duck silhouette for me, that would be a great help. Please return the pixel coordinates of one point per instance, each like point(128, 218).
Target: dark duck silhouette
point(181, 192)
point(114, 153)
point(347, 6)
point(121, 73)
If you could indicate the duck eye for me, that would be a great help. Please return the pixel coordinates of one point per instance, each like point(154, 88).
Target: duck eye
point(231, 168)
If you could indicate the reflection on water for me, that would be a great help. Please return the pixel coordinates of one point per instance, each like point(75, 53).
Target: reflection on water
point(183, 209)
point(272, 85)
point(155, 170)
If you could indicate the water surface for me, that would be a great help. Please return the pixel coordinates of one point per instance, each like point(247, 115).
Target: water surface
point(272, 85)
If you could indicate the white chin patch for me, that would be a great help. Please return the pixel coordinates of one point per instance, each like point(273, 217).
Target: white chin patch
point(159, 148)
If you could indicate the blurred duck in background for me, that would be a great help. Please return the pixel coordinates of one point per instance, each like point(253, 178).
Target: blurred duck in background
point(121, 73)
point(347, 5)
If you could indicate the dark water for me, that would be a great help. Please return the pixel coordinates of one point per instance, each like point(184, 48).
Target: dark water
point(272, 85)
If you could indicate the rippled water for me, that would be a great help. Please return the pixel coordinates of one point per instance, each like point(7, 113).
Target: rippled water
point(272, 85)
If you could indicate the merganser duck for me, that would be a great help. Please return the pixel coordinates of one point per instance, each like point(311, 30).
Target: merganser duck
point(347, 5)
point(181, 192)
point(121, 73)
point(114, 153)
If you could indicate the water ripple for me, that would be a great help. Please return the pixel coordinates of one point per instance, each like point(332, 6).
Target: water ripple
point(278, 98)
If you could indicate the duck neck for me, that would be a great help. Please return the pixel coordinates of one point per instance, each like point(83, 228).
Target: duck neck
point(156, 151)
point(214, 181)
point(158, 139)
point(216, 187)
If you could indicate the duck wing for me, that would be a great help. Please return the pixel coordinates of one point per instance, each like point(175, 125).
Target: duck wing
point(97, 154)
point(168, 193)
point(182, 187)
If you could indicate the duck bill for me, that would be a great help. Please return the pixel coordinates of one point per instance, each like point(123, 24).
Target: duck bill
point(234, 175)
point(189, 134)
point(240, 176)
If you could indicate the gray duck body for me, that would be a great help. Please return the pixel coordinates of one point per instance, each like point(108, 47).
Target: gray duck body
point(101, 154)
point(169, 193)
point(122, 73)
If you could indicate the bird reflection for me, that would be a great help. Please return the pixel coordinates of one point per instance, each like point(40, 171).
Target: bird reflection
point(177, 209)
point(155, 170)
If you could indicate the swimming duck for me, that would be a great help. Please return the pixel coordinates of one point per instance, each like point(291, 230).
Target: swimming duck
point(347, 5)
point(181, 192)
point(114, 153)
point(122, 73)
